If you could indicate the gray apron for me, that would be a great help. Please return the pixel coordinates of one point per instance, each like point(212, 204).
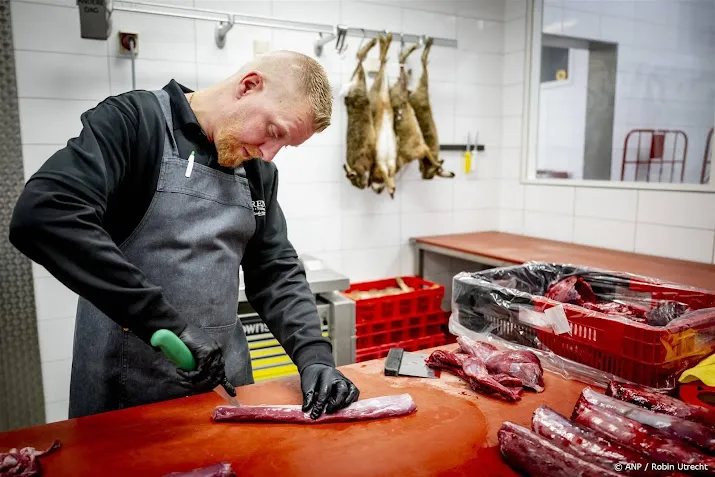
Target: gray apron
point(190, 242)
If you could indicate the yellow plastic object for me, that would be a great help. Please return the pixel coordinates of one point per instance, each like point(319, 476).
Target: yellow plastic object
point(467, 162)
point(703, 371)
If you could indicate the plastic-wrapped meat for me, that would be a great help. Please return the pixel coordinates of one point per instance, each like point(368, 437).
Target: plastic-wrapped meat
point(665, 313)
point(525, 451)
point(472, 370)
point(523, 364)
point(655, 401)
point(574, 290)
point(366, 409)
point(217, 470)
point(630, 311)
point(585, 443)
point(693, 432)
point(647, 440)
point(23, 462)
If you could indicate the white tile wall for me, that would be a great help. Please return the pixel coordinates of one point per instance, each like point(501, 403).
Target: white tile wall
point(358, 232)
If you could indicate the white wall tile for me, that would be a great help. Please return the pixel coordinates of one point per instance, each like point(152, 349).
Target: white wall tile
point(513, 99)
point(54, 28)
point(478, 68)
point(549, 199)
point(621, 9)
point(427, 196)
point(472, 195)
point(56, 411)
point(371, 16)
point(88, 77)
point(511, 195)
point(170, 39)
point(466, 221)
point(617, 29)
point(618, 204)
point(448, 7)
point(675, 242)
point(309, 200)
point(480, 35)
point(510, 163)
point(50, 121)
point(209, 75)
point(372, 264)
point(441, 63)
point(53, 299)
point(309, 164)
point(354, 201)
point(611, 234)
point(370, 231)
point(482, 9)
point(511, 133)
point(34, 156)
point(237, 50)
point(514, 68)
point(425, 224)
point(333, 260)
point(478, 100)
point(581, 24)
point(514, 9)
point(56, 380)
point(56, 337)
point(442, 98)
point(485, 165)
point(303, 236)
point(587, 6)
point(303, 42)
point(548, 226)
point(150, 74)
point(515, 35)
point(487, 129)
point(62, 3)
point(429, 23)
point(511, 221)
point(678, 209)
point(325, 11)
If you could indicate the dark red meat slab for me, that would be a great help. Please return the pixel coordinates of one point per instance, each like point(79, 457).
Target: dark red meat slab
point(574, 290)
point(523, 365)
point(658, 402)
point(525, 451)
point(217, 470)
point(23, 462)
point(587, 444)
point(693, 432)
point(366, 409)
point(648, 440)
point(472, 370)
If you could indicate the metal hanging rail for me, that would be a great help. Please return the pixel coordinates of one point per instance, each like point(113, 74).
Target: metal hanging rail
point(226, 20)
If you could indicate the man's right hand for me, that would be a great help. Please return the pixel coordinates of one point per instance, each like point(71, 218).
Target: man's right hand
point(210, 367)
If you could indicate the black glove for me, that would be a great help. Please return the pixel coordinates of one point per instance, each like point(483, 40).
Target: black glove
point(326, 388)
point(210, 368)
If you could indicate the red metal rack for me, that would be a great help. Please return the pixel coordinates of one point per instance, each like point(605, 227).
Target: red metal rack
point(655, 151)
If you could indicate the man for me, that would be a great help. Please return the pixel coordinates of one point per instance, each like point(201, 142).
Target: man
point(148, 214)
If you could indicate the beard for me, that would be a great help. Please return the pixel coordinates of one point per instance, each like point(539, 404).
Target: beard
point(231, 151)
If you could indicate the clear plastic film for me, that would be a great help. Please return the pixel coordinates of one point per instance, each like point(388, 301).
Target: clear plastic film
point(588, 324)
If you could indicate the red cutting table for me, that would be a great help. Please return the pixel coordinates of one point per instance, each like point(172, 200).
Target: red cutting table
point(452, 433)
point(502, 249)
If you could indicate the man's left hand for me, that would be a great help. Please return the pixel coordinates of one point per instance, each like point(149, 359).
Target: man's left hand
point(326, 388)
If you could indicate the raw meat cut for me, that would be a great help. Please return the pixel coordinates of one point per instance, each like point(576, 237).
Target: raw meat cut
point(366, 409)
point(693, 432)
point(576, 291)
point(23, 462)
point(658, 402)
point(523, 364)
point(573, 290)
point(524, 450)
point(645, 439)
point(217, 470)
point(473, 371)
point(585, 443)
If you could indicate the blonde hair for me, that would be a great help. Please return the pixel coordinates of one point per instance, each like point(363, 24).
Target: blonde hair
point(309, 77)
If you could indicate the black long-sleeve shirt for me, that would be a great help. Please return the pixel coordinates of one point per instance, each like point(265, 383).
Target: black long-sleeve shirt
point(90, 195)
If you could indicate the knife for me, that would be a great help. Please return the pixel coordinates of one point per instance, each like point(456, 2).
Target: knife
point(178, 353)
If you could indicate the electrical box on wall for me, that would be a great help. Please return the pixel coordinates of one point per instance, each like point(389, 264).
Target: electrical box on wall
point(95, 19)
point(125, 42)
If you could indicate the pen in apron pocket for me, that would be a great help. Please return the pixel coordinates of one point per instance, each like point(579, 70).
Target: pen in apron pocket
point(191, 164)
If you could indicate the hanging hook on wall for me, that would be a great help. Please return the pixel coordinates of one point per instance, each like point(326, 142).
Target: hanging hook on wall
point(222, 28)
point(340, 45)
point(362, 40)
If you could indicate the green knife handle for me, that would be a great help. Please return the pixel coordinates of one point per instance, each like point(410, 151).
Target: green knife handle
point(174, 349)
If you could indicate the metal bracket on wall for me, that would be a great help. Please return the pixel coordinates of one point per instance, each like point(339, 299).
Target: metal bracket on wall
point(222, 28)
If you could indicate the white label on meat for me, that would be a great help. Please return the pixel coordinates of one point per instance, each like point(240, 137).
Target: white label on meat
point(557, 317)
point(533, 318)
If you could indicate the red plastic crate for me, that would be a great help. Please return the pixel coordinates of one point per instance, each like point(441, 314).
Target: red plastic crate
point(379, 352)
point(426, 298)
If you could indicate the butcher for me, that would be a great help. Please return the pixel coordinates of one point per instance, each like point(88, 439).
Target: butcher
point(148, 214)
